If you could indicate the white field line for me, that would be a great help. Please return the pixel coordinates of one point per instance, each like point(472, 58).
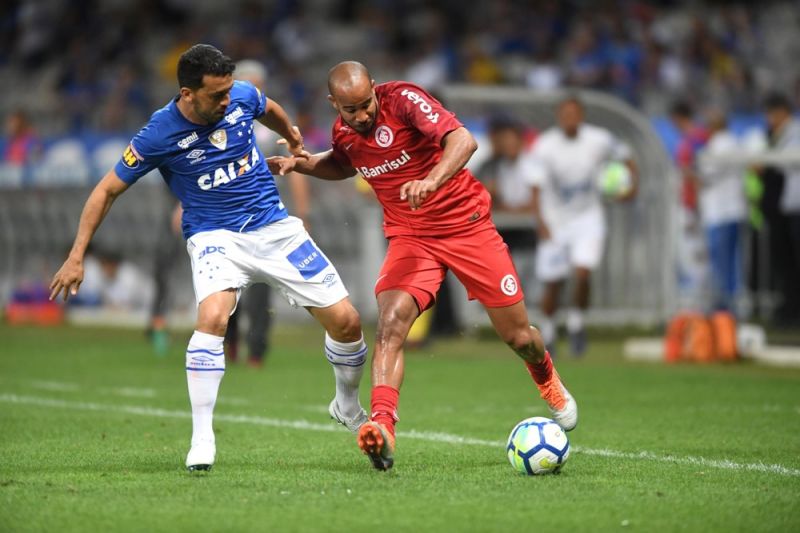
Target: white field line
point(448, 438)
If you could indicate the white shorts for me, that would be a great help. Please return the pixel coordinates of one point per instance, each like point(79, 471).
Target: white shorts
point(281, 254)
point(578, 243)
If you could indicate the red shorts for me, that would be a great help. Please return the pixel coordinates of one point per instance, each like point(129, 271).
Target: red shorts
point(480, 260)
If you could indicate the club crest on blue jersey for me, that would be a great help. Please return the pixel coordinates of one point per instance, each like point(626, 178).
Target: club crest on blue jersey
point(308, 260)
point(219, 139)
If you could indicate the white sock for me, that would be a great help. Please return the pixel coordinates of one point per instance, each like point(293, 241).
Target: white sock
point(347, 359)
point(574, 320)
point(205, 366)
point(548, 329)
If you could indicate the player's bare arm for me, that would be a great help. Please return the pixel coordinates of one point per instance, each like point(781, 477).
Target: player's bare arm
point(459, 145)
point(321, 165)
point(633, 191)
point(276, 119)
point(69, 277)
point(541, 226)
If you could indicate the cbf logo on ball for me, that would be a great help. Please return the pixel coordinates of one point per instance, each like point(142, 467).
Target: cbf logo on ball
point(509, 285)
point(384, 136)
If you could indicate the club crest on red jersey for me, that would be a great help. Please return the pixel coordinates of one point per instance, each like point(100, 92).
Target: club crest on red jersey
point(509, 285)
point(384, 136)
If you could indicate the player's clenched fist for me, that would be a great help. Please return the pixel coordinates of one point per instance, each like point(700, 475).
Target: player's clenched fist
point(417, 191)
point(67, 279)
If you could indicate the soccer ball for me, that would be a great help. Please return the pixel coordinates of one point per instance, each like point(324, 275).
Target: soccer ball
point(615, 180)
point(537, 446)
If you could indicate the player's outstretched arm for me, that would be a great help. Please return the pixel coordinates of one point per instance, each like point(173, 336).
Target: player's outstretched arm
point(459, 145)
point(322, 165)
point(70, 275)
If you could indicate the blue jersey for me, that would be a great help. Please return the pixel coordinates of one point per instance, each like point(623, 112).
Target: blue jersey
point(216, 171)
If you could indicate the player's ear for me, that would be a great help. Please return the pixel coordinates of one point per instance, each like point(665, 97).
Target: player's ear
point(333, 102)
point(186, 93)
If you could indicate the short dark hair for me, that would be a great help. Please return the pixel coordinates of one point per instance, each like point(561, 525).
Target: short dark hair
point(571, 98)
point(199, 60)
point(502, 121)
point(777, 102)
point(681, 108)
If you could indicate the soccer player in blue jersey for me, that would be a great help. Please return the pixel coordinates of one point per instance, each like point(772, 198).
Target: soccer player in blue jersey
point(237, 230)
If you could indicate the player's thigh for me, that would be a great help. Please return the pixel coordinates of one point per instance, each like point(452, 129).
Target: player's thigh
point(552, 261)
point(216, 260)
point(290, 261)
point(213, 312)
point(586, 251)
point(482, 263)
point(410, 267)
point(585, 237)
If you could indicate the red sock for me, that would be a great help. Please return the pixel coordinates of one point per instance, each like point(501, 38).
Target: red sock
point(541, 371)
point(384, 406)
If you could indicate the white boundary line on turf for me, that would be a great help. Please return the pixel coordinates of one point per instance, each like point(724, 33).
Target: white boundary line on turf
point(411, 434)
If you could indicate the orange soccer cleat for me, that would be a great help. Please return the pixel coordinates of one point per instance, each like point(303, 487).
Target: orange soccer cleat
point(560, 402)
point(376, 442)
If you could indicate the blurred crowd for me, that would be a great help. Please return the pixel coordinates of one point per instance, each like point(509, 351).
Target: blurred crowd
point(85, 64)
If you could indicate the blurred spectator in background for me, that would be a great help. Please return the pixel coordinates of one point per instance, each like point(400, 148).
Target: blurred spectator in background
point(780, 204)
point(691, 249)
point(722, 211)
point(256, 299)
point(569, 213)
point(22, 143)
point(110, 281)
point(507, 175)
point(170, 246)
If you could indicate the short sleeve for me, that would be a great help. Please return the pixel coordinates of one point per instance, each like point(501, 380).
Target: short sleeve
point(535, 170)
point(257, 99)
point(140, 156)
point(418, 109)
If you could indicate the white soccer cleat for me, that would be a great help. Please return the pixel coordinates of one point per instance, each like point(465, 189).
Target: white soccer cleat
point(201, 456)
point(566, 417)
point(354, 423)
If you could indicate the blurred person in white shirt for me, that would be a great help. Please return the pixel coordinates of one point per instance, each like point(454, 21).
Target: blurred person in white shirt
point(723, 209)
point(567, 206)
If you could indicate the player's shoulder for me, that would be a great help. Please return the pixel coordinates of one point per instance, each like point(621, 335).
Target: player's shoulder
point(594, 132)
point(244, 90)
point(548, 139)
point(158, 129)
point(340, 130)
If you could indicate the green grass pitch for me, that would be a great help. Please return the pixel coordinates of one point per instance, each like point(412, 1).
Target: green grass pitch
point(94, 429)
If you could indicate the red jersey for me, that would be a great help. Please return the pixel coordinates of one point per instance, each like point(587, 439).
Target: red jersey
point(404, 144)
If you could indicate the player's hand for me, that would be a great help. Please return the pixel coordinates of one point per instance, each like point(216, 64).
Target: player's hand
point(295, 146)
point(417, 191)
point(281, 165)
point(628, 196)
point(543, 232)
point(68, 279)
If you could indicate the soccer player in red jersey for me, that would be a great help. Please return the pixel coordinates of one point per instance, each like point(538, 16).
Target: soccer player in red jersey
point(412, 151)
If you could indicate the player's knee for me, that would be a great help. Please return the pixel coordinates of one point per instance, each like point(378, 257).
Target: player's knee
point(520, 338)
point(394, 322)
point(347, 327)
point(214, 321)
